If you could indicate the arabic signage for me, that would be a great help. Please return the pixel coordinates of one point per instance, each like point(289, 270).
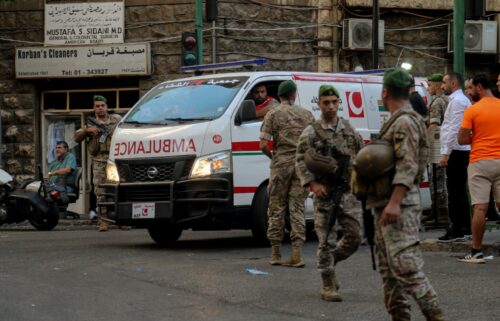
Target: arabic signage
point(84, 23)
point(83, 61)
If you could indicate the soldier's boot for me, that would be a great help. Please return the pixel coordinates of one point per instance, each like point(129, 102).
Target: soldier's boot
point(296, 259)
point(435, 314)
point(401, 315)
point(275, 255)
point(328, 289)
point(103, 225)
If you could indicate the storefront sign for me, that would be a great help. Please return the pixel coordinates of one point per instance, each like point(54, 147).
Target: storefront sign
point(84, 23)
point(71, 62)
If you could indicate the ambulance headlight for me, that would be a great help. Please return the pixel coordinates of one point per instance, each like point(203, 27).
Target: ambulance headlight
point(112, 175)
point(211, 164)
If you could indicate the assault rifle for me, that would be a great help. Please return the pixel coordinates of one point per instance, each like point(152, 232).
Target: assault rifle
point(103, 129)
point(341, 186)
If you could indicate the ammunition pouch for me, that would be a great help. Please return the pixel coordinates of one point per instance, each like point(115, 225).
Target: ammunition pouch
point(93, 146)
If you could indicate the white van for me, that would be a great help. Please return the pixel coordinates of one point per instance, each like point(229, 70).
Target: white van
point(187, 155)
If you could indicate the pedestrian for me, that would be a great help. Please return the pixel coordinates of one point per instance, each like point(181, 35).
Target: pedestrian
point(437, 108)
point(62, 171)
point(455, 158)
point(480, 129)
point(417, 102)
point(97, 133)
point(397, 161)
point(468, 88)
point(263, 101)
point(283, 126)
point(325, 153)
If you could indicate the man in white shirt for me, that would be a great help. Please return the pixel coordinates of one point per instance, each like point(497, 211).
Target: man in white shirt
point(455, 158)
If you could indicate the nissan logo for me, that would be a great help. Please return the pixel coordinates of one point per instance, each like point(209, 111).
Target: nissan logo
point(152, 172)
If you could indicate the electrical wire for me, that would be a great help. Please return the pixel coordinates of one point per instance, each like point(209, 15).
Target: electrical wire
point(297, 8)
point(417, 51)
point(416, 28)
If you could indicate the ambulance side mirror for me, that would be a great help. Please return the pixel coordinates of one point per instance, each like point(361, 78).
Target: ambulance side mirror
point(246, 112)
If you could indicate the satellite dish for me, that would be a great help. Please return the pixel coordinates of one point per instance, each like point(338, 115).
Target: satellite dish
point(472, 35)
point(362, 35)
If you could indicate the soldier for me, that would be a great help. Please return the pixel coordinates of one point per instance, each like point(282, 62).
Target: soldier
point(436, 114)
point(324, 163)
point(283, 125)
point(388, 172)
point(98, 132)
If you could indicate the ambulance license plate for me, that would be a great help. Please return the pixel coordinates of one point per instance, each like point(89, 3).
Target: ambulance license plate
point(143, 210)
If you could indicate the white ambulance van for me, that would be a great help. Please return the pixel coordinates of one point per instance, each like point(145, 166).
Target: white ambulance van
point(187, 155)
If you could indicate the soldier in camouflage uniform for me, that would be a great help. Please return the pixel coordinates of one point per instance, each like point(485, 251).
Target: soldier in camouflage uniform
point(98, 147)
point(397, 207)
point(283, 125)
point(330, 132)
point(436, 114)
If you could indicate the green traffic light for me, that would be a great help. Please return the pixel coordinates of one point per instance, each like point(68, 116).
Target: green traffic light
point(189, 59)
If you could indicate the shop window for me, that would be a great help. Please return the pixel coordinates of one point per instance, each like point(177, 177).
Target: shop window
point(55, 100)
point(128, 98)
point(84, 99)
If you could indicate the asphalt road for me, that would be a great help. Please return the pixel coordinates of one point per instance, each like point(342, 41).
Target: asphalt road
point(122, 275)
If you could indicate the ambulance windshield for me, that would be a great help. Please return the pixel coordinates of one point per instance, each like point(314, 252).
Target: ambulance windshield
point(186, 101)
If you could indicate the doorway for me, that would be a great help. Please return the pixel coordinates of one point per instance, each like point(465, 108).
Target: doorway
point(64, 112)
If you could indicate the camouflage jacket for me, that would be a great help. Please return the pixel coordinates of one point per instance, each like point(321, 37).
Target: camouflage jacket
point(437, 109)
point(344, 138)
point(283, 125)
point(100, 151)
point(408, 136)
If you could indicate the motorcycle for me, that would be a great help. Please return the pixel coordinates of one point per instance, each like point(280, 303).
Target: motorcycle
point(35, 201)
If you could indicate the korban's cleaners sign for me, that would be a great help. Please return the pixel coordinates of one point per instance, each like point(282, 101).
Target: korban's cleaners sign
point(88, 23)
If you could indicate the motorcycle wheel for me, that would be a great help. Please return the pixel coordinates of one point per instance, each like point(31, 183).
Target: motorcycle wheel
point(45, 222)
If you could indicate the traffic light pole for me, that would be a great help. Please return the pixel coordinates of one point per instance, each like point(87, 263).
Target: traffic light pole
point(458, 37)
point(199, 29)
point(375, 31)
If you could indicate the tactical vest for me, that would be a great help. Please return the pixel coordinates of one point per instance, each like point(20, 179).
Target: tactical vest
point(381, 187)
point(94, 147)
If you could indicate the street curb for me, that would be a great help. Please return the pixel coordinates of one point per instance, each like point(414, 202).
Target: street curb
point(432, 245)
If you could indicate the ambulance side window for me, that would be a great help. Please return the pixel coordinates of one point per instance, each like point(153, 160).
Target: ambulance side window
point(265, 96)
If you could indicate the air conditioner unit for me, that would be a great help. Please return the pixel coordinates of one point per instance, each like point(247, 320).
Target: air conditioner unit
point(479, 36)
point(357, 34)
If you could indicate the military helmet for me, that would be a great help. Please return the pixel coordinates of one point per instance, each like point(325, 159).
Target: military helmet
point(374, 160)
point(319, 164)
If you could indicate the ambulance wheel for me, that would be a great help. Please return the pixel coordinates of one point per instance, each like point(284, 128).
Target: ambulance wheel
point(259, 216)
point(165, 234)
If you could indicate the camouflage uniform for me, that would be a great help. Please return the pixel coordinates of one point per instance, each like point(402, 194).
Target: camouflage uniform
point(436, 112)
point(99, 154)
point(399, 255)
point(347, 142)
point(283, 125)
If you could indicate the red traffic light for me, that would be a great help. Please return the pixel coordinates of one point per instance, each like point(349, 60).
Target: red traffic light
point(189, 42)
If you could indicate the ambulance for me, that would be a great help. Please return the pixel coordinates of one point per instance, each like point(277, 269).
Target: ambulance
point(187, 155)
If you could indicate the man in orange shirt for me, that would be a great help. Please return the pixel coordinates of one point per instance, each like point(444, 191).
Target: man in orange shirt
point(480, 129)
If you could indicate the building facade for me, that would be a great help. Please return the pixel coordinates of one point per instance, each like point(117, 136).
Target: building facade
point(45, 99)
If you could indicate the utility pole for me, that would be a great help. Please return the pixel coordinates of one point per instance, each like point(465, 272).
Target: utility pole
point(376, 14)
point(199, 29)
point(458, 37)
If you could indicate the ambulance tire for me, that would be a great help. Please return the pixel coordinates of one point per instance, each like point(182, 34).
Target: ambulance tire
point(165, 234)
point(259, 216)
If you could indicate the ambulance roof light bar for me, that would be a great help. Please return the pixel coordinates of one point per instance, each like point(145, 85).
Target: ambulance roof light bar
point(198, 69)
point(367, 72)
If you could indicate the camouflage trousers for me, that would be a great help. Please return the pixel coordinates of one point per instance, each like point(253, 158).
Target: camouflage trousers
point(99, 177)
point(441, 190)
point(286, 196)
point(330, 252)
point(400, 262)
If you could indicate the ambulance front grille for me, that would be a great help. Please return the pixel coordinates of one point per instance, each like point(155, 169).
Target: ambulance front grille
point(155, 171)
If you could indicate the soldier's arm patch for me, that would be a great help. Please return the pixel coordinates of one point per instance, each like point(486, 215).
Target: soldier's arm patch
point(400, 143)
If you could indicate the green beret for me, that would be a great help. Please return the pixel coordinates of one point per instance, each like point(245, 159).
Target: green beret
point(100, 98)
point(435, 77)
point(286, 87)
point(397, 78)
point(327, 90)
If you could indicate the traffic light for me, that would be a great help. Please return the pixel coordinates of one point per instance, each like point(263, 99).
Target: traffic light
point(189, 49)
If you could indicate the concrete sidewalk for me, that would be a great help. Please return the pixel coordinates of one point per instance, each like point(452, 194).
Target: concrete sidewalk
point(491, 242)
